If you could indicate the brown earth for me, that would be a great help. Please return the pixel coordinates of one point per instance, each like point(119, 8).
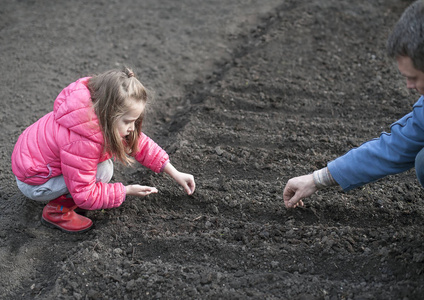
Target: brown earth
point(247, 95)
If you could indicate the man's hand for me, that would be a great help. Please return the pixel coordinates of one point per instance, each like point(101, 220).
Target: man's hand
point(298, 188)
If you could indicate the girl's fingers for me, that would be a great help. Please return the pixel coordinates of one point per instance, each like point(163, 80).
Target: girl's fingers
point(190, 187)
point(147, 190)
point(153, 190)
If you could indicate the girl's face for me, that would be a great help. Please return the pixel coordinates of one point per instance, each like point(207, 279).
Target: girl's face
point(126, 123)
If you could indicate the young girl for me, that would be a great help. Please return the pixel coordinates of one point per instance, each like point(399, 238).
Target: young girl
point(70, 150)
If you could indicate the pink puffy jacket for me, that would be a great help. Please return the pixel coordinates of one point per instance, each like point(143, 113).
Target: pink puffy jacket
point(68, 141)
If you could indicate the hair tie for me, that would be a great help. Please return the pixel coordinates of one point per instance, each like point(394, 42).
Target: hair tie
point(130, 74)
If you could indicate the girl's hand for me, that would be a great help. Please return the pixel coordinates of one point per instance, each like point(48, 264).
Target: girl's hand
point(140, 190)
point(186, 181)
point(183, 179)
point(298, 188)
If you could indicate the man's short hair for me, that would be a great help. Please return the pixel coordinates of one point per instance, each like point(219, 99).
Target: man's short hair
point(407, 37)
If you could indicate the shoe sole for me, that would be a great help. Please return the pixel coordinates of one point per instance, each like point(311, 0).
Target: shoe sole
point(54, 226)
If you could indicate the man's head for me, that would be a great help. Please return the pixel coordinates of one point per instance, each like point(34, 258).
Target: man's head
point(406, 45)
point(407, 37)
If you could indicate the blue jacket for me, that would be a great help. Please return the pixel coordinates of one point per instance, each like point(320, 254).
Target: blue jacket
point(391, 153)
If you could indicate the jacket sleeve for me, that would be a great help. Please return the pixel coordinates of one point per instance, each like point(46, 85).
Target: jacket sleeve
point(391, 153)
point(79, 162)
point(150, 154)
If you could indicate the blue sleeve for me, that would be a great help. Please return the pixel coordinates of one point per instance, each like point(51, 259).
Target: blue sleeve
point(391, 153)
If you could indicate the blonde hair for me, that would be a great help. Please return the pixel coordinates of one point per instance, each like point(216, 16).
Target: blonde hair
point(110, 92)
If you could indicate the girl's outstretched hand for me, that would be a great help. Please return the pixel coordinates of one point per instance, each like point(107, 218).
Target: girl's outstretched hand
point(183, 179)
point(140, 190)
point(298, 188)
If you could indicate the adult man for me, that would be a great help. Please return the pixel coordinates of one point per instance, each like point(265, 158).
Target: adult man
point(393, 152)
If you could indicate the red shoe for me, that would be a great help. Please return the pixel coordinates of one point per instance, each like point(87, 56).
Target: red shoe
point(59, 213)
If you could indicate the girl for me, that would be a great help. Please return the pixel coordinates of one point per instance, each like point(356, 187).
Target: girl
point(69, 150)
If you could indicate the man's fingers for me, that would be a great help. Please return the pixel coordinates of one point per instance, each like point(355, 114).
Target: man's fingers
point(294, 201)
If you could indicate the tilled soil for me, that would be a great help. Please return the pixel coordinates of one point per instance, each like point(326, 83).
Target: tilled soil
point(247, 95)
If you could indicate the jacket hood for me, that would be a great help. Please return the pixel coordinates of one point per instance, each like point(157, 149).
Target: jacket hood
point(73, 109)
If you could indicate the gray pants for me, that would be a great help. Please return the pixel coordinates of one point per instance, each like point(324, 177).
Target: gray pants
point(56, 186)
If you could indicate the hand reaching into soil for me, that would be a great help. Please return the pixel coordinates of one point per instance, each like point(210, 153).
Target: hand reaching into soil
point(298, 188)
point(186, 181)
point(139, 190)
point(183, 179)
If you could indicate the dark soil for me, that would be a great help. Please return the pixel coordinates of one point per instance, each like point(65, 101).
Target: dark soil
point(247, 95)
